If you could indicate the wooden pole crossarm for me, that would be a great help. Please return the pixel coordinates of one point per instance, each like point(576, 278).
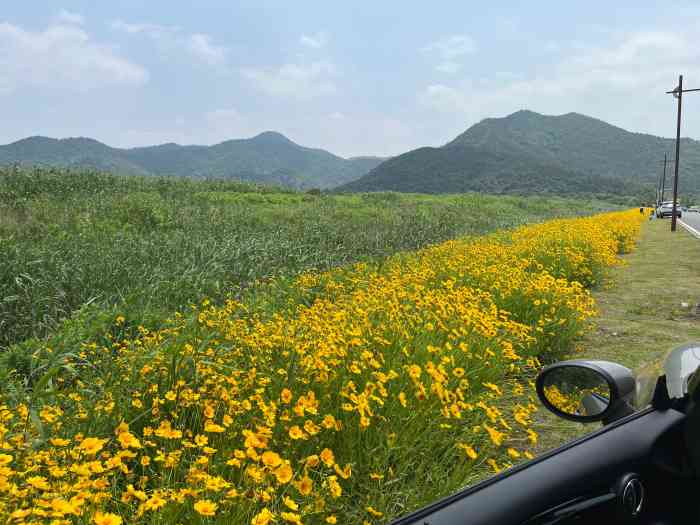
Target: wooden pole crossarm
point(675, 91)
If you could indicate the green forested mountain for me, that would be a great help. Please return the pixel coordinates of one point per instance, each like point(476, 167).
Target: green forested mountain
point(531, 153)
point(267, 158)
point(467, 168)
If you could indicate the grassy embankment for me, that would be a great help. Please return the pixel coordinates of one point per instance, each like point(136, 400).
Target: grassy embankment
point(148, 246)
point(641, 315)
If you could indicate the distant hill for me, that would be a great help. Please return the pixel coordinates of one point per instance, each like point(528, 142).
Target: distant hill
point(531, 153)
point(266, 158)
point(458, 170)
point(71, 152)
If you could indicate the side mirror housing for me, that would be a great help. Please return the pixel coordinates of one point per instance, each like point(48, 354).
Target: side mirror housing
point(586, 391)
point(680, 367)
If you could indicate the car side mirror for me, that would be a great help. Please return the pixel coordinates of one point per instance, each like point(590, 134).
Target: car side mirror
point(587, 391)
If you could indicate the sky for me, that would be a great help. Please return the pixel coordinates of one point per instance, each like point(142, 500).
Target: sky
point(354, 78)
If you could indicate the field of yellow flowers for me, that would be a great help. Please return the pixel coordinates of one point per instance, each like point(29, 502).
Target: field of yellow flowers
point(350, 396)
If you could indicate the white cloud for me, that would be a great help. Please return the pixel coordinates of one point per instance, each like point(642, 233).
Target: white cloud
point(294, 80)
point(449, 50)
point(315, 41)
point(201, 46)
point(154, 31)
point(67, 17)
point(445, 98)
point(210, 127)
point(357, 134)
point(623, 81)
point(448, 67)
point(225, 115)
point(637, 50)
point(452, 47)
point(337, 115)
point(61, 56)
point(227, 123)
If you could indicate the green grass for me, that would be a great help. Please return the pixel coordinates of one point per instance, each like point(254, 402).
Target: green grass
point(146, 247)
point(641, 315)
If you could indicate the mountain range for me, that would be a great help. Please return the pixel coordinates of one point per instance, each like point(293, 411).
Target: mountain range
point(268, 158)
point(527, 152)
point(524, 152)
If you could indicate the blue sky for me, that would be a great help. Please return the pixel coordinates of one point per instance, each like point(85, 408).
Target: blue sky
point(355, 78)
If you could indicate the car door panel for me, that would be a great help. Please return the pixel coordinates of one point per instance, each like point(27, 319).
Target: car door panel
point(571, 475)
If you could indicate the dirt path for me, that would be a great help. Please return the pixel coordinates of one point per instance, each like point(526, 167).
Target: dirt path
point(647, 309)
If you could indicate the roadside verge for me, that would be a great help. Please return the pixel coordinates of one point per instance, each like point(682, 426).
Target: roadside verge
point(693, 231)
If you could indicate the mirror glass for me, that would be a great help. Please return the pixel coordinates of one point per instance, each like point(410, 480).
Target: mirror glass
point(577, 391)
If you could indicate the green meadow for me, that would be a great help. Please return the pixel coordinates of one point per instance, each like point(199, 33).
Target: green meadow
point(81, 245)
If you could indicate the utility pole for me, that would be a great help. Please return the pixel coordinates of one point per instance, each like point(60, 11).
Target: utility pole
point(678, 152)
point(678, 93)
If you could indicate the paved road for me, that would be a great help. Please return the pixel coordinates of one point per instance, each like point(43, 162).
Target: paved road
point(691, 219)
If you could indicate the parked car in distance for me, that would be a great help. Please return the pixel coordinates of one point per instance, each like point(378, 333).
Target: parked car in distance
point(693, 209)
point(666, 210)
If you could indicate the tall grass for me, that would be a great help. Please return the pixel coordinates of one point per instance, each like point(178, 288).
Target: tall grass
point(149, 246)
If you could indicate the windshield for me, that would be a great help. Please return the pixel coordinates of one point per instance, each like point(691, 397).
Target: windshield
point(646, 379)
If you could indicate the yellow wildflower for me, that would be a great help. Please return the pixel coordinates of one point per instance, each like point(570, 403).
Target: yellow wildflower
point(106, 519)
point(20, 514)
point(327, 457)
point(468, 450)
point(291, 517)
point(284, 473)
point(206, 507)
point(155, 502)
point(295, 432)
point(496, 436)
point(334, 487)
point(38, 482)
point(290, 503)
point(286, 395)
point(91, 445)
point(374, 512)
point(305, 486)
point(213, 427)
point(264, 517)
point(345, 472)
point(271, 459)
point(62, 506)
